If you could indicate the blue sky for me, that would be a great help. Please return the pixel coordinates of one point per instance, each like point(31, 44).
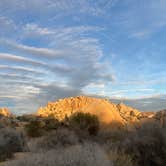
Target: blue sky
point(52, 49)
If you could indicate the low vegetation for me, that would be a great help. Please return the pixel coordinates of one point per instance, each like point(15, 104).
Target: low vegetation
point(39, 126)
point(85, 122)
point(78, 155)
point(82, 141)
point(8, 122)
point(60, 138)
point(120, 158)
point(34, 128)
point(11, 141)
point(147, 145)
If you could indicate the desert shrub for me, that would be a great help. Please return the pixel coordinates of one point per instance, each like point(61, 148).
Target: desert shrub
point(40, 126)
point(78, 155)
point(59, 138)
point(3, 122)
point(35, 128)
point(85, 122)
point(147, 146)
point(8, 122)
point(113, 132)
point(11, 141)
point(120, 158)
point(26, 117)
point(51, 123)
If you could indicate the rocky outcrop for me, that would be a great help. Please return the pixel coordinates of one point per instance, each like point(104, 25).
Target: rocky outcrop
point(106, 111)
point(146, 115)
point(129, 114)
point(7, 119)
point(5, 112)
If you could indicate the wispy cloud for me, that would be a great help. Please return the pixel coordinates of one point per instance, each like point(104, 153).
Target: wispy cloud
point(144, 18)
point(75, 63)
point(7, 26)
point(51, 49)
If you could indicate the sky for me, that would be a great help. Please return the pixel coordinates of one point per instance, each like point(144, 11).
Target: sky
point(52, 49)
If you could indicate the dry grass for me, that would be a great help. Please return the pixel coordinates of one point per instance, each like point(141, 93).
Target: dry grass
point(59, 138)
point(147, 145)
point(78, 155)
point(120, 158)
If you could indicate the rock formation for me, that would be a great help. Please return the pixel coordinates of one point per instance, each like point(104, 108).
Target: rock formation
point(157, 117)
point(5, 112)
point(106, 111)
point(128, 113)
point(146, 115)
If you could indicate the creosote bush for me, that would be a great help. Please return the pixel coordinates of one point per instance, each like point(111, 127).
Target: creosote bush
point(26, 117)
point(39, 126)
point(11, 141)
point(147, 145)
point(50, 123)
point(85, 122)
point(35, 128)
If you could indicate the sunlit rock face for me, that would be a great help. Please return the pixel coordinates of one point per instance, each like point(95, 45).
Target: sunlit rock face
point(146, 115)
point(105, 110)
point(5, 112)
point(129, 114)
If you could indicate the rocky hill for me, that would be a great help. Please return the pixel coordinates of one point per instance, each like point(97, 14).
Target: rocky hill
point(106, 111)
point(5, 112)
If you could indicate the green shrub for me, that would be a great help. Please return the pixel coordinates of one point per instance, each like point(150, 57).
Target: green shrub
point(26, 117)
point(51, 123)
point(35, 128)
point(85, 122)
point(11, 141)
point(39, 126)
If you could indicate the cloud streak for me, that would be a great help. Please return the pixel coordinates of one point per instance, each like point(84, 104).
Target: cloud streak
point(51, 49)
